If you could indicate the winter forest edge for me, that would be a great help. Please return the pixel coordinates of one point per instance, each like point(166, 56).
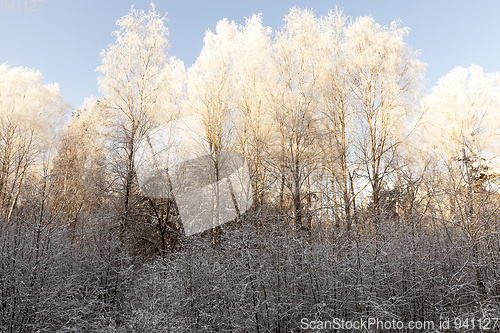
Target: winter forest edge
point(372, 198)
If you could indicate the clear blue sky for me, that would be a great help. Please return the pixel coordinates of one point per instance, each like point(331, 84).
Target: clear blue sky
point(63, 39)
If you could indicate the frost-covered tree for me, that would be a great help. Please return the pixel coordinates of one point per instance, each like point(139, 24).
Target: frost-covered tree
point(461, 113)
point(253, 121)
point(338, 125)
point(210, 89)
point(79, 168)
point(298, 64)
point(387, 84)
point(462, 127)
point(210, 86)
point(141, 87)
point(30, 116)
point(461, 133)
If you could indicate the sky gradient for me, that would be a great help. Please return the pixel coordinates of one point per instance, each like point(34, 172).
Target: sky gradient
point(64, 39)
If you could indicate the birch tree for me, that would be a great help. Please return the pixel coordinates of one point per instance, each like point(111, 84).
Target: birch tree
point(253, 120)
point(30, 115)
point(210, 85)
point(388, 80)
point(460, 114)
point(298, 64)
point(462, 131)
point(141, 86)
point(79, 169)
point(338, 113)
point(210, 88)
